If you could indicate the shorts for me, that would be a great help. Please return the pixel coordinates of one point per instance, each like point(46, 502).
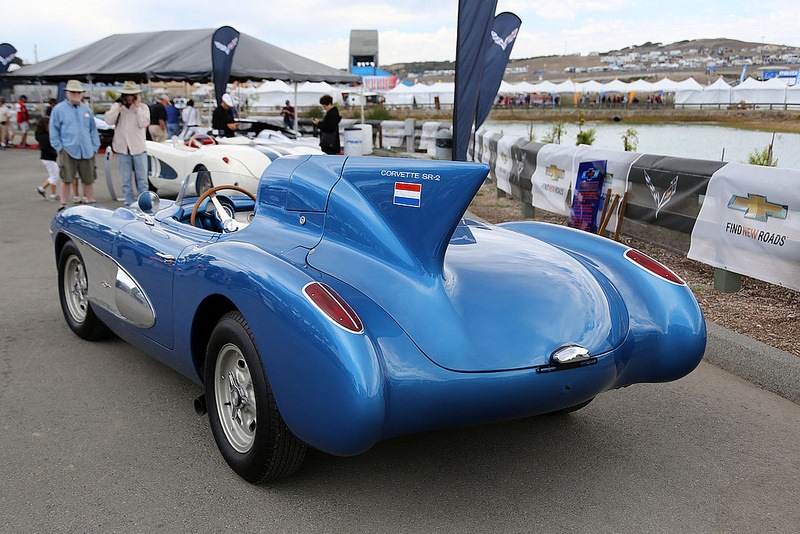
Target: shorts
point(52, 171)
point(68, 166)
point(24, 127)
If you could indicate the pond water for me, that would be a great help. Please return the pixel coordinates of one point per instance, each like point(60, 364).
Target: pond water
point(706, 142)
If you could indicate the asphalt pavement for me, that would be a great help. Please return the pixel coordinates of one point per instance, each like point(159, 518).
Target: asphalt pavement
point(98, 437)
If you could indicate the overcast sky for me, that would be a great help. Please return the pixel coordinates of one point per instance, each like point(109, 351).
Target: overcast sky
point(409, 30)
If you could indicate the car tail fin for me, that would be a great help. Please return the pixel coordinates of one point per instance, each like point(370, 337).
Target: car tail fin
point(398, 212)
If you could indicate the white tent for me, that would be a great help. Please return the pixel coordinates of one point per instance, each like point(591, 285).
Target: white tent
point(421, 94)
point(445, 91)
point(716, 94)
point(688, 84)
point(793, 95)
point(400, 95)
point(616, 86)
point(642, 86)
point(754, 92)
point(545, 87)
point(270, 94)
point(592, 86)
point(309, 93)
point(507, 88)
point(525, 87)
point(567, 86)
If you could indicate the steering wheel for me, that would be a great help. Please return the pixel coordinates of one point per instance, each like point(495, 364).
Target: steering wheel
point(212, 194)
point(195, 142)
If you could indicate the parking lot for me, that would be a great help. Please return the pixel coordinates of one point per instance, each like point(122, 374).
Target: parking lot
point(98, 437)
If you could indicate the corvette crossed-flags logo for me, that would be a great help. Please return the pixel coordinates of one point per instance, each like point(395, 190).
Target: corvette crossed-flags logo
point(227, 49)
point(503, 43)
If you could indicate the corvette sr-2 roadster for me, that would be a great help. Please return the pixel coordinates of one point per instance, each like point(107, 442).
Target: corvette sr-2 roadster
point(348, 301)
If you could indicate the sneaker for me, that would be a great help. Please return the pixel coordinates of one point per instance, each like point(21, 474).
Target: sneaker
point(40, 190)
point(53, 197)
point(62, 207)
point(76, 200)
point(84, 200)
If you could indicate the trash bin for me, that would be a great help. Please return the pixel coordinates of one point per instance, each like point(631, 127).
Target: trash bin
point(353, 142)
point(366, 131)
point(444, 145)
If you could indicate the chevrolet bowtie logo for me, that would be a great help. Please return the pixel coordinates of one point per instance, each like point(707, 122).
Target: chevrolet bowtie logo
point(554, 172)
point(756, 207)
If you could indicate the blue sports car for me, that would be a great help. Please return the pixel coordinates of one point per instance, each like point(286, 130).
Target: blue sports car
point(348, 301)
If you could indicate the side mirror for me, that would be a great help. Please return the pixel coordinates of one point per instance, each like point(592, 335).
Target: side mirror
point(148, 202)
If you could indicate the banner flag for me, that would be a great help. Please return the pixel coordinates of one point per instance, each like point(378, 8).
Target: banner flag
point(504, 33)
point(750, 224)
point(553, 178)
point(489, 152)
point(475, 19)
point(524, 156)
point(744, 71)
point(223, 46)
point(62, 91)
point(504, 166)
point(7, 55)
point(667, 191)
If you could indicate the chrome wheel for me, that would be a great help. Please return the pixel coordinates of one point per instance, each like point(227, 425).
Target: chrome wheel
point(236, 398)
point(76, 288)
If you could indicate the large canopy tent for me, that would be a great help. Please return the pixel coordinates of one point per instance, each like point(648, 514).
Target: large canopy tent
point(177, 55)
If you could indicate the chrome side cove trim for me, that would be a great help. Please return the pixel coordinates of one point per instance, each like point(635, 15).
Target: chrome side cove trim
point(131, 301)
point(113, 289)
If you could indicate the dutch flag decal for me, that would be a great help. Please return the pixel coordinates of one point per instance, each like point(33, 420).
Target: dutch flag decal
point(407, 194)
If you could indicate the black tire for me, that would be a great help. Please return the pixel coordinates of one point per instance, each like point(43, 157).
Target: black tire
point(72, 292)
point(253, 440)
point(204, 181)
point(565, 411)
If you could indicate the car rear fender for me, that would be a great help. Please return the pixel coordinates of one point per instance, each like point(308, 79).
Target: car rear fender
point(327, 381)
point(667, 333)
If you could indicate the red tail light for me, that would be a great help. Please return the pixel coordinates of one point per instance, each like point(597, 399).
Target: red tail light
point(225, 159)
point(649, 264)
point(333, 306)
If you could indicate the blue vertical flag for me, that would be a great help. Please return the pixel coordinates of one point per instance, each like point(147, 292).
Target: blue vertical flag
point(475, 19)
point(223, 45)
point(504, 33)
point(744, 71)
point(7, 55)
point(797, 76)
point(62, 92)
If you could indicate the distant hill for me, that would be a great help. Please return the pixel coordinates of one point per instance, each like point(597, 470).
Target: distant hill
point(719, 51)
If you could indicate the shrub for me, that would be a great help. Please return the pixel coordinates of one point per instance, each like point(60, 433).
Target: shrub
point(630, 140)
point(378, 113)
point(763, 157)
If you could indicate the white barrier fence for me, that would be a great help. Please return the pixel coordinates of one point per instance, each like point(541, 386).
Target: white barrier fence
point(741, 218)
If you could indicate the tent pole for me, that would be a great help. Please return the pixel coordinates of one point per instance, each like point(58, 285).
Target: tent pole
point(296, 109)
point(362, 101)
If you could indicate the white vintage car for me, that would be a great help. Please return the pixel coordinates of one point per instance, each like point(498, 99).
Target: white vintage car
point(170, 162)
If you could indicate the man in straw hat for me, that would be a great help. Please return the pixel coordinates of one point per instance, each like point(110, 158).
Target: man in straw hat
point(73, 134)
point(131, 118)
